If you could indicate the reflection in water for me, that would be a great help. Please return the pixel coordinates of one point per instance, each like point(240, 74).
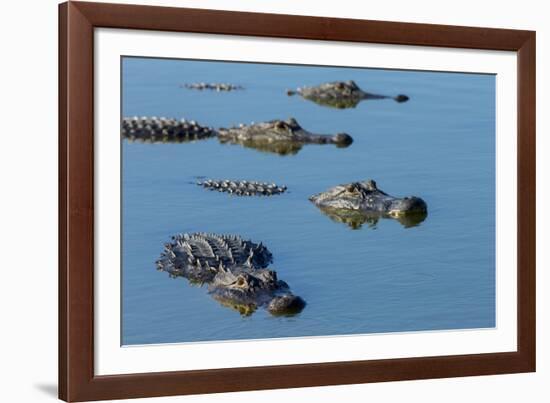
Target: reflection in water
point(355, 218)
point(162, 139)
point(337, 103)
point(345, 103)
point(243, 309)
point(247, 309)
point(282, 148)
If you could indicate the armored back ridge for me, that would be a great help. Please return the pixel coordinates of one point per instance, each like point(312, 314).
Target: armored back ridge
point(243, 187)
point(213, 86)
point(153, 129)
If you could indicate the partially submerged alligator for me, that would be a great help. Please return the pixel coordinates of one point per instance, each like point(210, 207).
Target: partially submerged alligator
point(213, 86)
point(234, 269)
point(243, 187)
point(153, 129)
point(340, 94)
point(358, 202)
point(276, 135)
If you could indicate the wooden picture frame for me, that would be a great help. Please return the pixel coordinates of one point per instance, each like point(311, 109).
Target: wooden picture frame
point(77, 21)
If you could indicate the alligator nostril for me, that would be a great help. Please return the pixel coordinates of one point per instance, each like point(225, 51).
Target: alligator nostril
point(288, 304)
point(343, 139)
point(401, 98)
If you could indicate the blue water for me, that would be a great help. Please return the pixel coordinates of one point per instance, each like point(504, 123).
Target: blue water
point(380, 278)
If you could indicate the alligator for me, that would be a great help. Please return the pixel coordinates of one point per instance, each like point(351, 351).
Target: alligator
point(236, 272)
point(359, 202)
point(340, 94)
point(153, 129)
point(213, 86)
point(243, 187)
point(276, 135)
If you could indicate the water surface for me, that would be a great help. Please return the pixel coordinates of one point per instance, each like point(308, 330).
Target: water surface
point(383, 277)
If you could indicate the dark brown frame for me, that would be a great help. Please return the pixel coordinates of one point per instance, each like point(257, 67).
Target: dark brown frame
point(77, 21)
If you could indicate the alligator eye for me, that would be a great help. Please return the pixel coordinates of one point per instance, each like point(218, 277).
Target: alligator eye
point(351, 188)
point(280, 125)
point(241, 282)
point(340, 86)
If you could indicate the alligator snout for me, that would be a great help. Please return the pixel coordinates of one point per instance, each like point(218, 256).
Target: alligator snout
point(287, 304)
point(343, 139)
point(408, 205)
point(401, 98)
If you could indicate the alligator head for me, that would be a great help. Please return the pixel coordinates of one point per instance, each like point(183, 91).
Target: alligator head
point(245, 290)
point(343, 202)
point(280, 136)
point(235, 271)
point(340, 94)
